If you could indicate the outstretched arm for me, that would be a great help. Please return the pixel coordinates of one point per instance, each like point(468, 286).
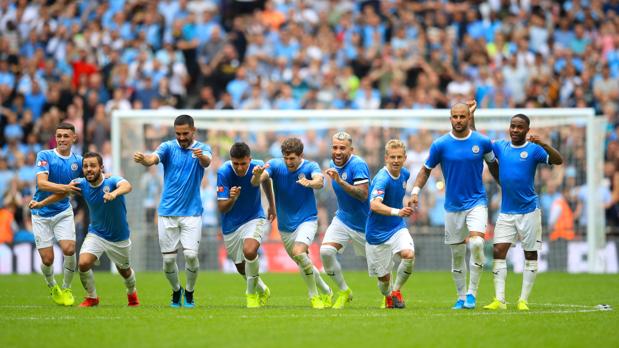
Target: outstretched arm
point(317, 182)
point(554, 157)
point(45, 185)
point(259, 174)
point(378, 207)
point(146, 160)
point(267, 187)
point(122, 188)
point(420, 182)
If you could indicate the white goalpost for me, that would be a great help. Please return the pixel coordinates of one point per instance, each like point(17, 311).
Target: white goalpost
point(142, 130)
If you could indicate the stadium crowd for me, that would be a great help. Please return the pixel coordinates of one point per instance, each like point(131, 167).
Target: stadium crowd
point(77, 61)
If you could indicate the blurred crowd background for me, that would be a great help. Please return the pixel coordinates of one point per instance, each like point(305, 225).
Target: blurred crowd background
point(77, 61)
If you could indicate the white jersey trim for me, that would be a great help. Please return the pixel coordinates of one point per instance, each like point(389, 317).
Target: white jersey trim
point(461, 139)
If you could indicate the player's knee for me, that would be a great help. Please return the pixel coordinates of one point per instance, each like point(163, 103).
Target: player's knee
point(530, 255)
point(68, 249)
point(191, 258)
point(407, 254)
point(499, 251)
point(84, 265)
point(124, 272)
point(169, 262)
point(250, 252)
point(476, 243)
point(47, 259)
point(299, 250)
point(327, 251)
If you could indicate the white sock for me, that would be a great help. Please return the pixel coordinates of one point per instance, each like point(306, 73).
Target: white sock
point(260, 286)
point(458, 268)
point(130, 283)
point(68, 270)
point(307, 272)
point(48, 273)
point(251, 273)
point(528, 278)
point(88, 282)
point(384, 287)
point(499, 269)
point(192, 266)
point(476, 245)
point(332, 266)
point(405, 269)
point(323, 287)
point(170, 268)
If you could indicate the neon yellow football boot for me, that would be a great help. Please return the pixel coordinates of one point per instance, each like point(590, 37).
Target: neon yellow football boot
point(253, 301)
point(264, 297)
point(343, 297)
point(317, 303)
point(57, 294)
point(496, 305)
point(522, 305)
point(67, 295)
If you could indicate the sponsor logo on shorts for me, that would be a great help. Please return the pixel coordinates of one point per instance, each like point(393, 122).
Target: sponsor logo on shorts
point(475, 149)
point(524, 154)
point(74, 166)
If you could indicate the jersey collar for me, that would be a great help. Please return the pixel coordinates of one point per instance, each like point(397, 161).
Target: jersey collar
point(237, 174)
point(61, 156)
point(101, 183)
point(518, 146)
point(190, 146)
point(392, 177)
point(461, 139)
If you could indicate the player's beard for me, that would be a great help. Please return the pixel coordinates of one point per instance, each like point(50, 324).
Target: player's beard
point(96, 178)
point(343, 160)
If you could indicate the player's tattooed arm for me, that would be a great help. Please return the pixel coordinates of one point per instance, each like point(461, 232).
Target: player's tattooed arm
point(145, 160)
point(420, 182)
point(224, 205)
point(359, 191)
point(45, 185)
point(259, 174)
point(554, 157)
point(267, 187)
point(122, 188)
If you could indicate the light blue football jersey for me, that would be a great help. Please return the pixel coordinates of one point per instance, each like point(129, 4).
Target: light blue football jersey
point(462, 163)
point(351, 211)
point(60, 170)
point(182, 176)
point(380, 228)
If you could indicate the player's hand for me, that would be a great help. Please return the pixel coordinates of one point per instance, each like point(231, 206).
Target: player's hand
point(271, 214)
point(110, 196)
point(535, 139)
point(414, 202)
point(198, 152)
point(334, 175)
point(304, 182)
point(35, 205)
point(235, 192)
point(472, 104)
point(406, 211)
point(258, 170)
point(71, 188)
point(138, 157)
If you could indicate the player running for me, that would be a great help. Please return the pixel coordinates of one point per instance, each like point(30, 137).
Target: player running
point(243, 221)
point(350, 179)
point(386, 232)
point(180, 209)
point(108, 231)
point(55, 170)
point(294, 181)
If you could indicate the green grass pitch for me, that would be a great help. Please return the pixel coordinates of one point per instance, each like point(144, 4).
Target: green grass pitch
point(563, 314)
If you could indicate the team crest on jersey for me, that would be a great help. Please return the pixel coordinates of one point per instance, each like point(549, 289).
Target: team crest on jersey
point(106, 189)
point(524, 154)
point(344, 176)
point(73, 166)
point(475, 149)
point(301, 176)
point(193, 155)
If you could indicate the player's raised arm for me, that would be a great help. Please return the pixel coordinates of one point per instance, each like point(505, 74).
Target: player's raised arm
point(554, 157)
point(145, 160)
point(259, 174)
point(358, 191)
point(122, 187)
point(472, 104)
